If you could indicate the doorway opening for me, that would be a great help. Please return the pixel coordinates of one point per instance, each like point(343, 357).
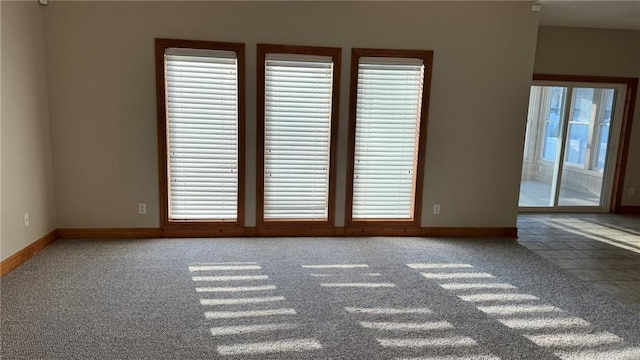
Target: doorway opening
point(572, 145)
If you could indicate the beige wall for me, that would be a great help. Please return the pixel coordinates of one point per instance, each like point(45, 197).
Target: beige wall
point(27, 174)
point(579, 51)
point(102, 90)
point(1, 252)
point(2, 256)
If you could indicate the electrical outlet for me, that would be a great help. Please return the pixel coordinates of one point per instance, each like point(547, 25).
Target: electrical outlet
point(142, 208)
point(436, 209)
point(632, 191)
point(26, 219)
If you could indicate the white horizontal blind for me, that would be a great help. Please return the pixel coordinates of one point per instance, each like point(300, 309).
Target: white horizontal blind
point(389, 102)
point(202, 115)
point(298, 91)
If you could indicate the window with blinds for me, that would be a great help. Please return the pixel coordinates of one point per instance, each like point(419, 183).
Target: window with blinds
point(298, 93)
point(387, 133)
point(201, 89)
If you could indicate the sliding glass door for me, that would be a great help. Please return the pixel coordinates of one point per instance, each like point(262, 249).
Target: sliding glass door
point(570, 146)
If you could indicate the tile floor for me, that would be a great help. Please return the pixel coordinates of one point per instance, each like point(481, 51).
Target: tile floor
point(602, 249)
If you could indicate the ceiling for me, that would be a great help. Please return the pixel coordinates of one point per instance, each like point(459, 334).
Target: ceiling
point(593, 14)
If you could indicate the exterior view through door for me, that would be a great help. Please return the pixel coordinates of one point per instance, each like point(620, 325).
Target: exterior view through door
point(570, 149)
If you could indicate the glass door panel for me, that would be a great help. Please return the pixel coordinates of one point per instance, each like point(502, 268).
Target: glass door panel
point(543, 145)
point(586, 146)
point(571, 137)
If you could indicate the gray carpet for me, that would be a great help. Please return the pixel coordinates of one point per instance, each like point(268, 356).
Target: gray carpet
point(400, 298)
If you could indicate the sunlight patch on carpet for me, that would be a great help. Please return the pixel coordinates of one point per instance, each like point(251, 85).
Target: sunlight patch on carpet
point(248, 313)
point(244, 329)
point(335, 266)
point(230, 278)
point(358, 285)
point(449, 341)
point(397, 326)
point(223, 267)
point(270, 347)
point(238, 301)
point(236, 288)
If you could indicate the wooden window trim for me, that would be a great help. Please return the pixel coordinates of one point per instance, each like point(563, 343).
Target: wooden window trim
point(627, 120)
point(239, 49)
point(335, 54)
point(427, 57)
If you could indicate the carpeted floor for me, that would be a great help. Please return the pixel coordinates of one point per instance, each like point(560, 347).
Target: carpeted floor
point(303, 298)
